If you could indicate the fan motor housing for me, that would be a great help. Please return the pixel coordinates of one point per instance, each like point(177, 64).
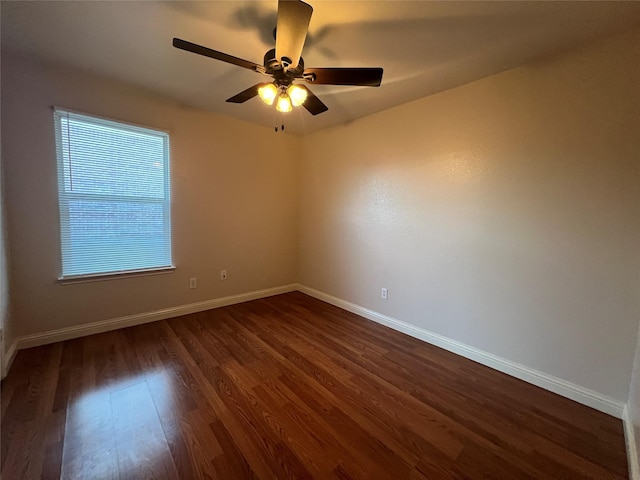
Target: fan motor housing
point(282, 70)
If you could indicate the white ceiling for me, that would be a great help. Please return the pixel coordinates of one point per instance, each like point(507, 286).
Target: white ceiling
point(424, 47)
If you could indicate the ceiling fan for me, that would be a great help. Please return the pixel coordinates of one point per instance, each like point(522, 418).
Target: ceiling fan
point(286, 66)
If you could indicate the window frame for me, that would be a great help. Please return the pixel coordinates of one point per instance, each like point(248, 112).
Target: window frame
point(64, 196)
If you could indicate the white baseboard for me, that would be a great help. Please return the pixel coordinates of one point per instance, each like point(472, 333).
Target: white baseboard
point(9, 355)
point(562, 387)
point(632, 446)
point(557, 385)
point(68, 333)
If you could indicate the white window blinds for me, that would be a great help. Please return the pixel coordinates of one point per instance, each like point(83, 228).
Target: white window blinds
point(113, 185)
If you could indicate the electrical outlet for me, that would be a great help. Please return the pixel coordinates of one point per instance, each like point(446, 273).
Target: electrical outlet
point(193, 282)
point(223, 274)
point(384, 293)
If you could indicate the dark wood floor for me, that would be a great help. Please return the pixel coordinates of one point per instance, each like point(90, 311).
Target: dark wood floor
point(286, 387)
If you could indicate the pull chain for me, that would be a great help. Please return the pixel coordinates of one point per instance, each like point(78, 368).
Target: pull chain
point(281, 122)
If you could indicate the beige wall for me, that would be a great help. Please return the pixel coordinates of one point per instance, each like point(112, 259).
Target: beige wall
point(234, 201)
point(504, 214)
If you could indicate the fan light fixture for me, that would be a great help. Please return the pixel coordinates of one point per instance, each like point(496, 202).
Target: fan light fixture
point(268, 93)
point(297, 94)
point(285, 97)
point(284, 103)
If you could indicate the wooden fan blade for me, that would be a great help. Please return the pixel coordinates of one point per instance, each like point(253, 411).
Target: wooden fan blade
point(245, 95)
point(366, 77)
point(313, 104)
point(223, 57)
point(291, 30)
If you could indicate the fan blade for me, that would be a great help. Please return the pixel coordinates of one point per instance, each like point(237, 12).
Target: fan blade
point(313, 104)
point(366, 77)
point(207, 52)
point(245, 95)
point(291, 30)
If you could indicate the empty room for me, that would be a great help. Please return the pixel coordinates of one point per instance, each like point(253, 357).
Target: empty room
point(279, 239)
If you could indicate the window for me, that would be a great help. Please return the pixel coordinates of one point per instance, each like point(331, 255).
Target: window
point(114, 196)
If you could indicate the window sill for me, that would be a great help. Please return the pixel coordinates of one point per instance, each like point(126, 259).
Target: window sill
point(101, 277)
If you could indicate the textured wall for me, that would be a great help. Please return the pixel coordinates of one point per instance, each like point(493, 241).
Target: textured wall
point(234, 201)
point(504, 214)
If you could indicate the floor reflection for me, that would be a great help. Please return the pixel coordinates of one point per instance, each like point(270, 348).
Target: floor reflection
point(115, 431)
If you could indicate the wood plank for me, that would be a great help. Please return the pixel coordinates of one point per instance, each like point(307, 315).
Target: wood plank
point(140, 442)
point(232, 463)
point(89, 449)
